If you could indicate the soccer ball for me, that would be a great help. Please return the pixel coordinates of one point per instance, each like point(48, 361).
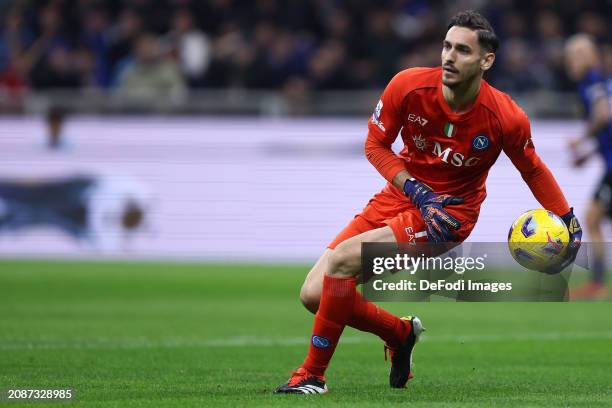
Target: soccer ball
point(538, 239)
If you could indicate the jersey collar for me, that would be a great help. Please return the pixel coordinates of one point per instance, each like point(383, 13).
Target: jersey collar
point(453, 116)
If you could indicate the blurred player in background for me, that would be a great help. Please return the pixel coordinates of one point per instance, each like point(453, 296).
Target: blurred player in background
point(99, 212)
point(454, 125)
point(584, 65)
point(55, 120)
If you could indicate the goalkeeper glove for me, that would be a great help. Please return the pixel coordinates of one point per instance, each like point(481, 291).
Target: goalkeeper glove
point(575, 231)
point(431, 205)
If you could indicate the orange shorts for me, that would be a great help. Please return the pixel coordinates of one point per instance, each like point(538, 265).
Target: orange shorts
point(390, 207)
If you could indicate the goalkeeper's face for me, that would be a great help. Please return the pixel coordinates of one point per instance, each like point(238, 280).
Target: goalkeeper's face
point(463, 59)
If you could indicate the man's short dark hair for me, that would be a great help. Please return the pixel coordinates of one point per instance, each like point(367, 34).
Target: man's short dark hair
point(477, 22)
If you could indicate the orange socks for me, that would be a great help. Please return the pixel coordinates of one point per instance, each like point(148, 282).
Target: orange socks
point(370, 318)
point(335, 309)
point(341, 304)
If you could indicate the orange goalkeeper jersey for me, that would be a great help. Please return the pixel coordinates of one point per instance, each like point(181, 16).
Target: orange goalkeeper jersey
point(452, 152)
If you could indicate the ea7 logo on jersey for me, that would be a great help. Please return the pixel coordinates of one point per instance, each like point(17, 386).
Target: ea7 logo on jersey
point(417, 119)
point(456, 159)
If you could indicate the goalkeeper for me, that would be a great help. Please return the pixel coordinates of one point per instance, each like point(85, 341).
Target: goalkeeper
point(454, 125)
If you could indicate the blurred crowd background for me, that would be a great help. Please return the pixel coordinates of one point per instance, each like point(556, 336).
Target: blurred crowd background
point(147, 49)
point(135, 91)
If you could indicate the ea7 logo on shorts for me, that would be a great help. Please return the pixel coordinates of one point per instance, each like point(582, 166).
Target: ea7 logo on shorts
point(320, 342)
point(480, 142)
point(410, 234)
point(413, 236)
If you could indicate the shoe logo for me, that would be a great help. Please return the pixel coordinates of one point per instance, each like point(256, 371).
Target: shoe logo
point(320, 342)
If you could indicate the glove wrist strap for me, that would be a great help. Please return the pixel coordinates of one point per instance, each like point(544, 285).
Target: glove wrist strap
point(416, 191)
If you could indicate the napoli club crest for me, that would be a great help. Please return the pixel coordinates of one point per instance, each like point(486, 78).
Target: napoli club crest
point(320, 342)
point(480, 142)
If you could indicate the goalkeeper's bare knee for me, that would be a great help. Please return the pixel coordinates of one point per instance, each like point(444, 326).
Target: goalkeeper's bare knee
point(345, 260)
point(310, 297)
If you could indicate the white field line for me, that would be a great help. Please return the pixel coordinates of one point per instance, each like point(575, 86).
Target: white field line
point(8, 343)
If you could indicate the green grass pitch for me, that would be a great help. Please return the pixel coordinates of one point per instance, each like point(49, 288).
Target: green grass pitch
point(189, 335)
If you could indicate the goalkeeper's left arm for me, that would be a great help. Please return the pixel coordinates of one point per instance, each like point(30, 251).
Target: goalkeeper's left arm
point(521, 151)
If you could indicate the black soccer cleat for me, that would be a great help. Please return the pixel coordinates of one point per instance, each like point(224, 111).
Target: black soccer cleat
point(303, 382)
point(401, 357)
